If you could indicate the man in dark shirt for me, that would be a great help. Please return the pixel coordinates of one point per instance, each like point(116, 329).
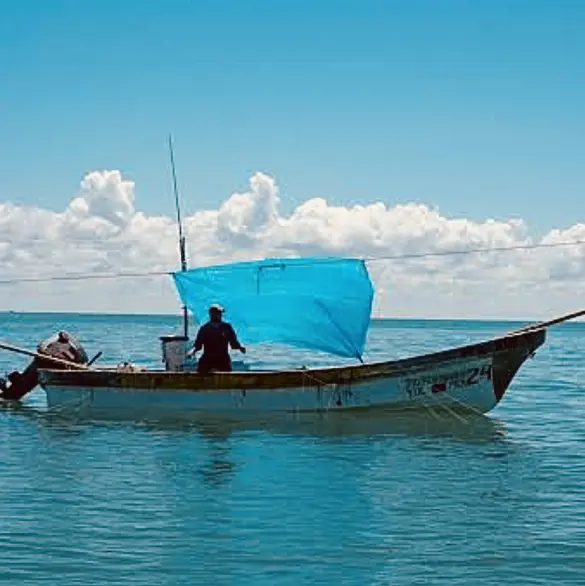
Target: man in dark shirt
point(214, 337)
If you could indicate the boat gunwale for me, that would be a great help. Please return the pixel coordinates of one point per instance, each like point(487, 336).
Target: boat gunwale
point(239, 380)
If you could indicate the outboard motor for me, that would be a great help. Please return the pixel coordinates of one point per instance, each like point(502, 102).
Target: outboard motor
point(61, 345)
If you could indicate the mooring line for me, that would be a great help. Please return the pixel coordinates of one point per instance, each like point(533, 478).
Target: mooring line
point(367, 259)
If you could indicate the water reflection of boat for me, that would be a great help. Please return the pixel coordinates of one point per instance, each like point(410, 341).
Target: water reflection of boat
point(435, 422)
point(339, 424)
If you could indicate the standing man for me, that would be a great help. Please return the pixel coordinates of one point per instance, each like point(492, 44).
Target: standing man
point(214, 337)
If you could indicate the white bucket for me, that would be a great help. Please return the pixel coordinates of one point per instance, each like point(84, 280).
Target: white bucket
point(174, 350)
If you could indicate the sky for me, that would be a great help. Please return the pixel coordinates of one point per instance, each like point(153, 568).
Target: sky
point(355, 128)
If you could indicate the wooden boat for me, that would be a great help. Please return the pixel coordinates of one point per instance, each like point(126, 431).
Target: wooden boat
point(469, 378)
point(282, 300)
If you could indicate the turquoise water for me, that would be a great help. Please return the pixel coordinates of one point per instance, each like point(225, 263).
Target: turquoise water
point(343, 500)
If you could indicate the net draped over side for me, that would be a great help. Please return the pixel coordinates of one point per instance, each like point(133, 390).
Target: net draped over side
point(319, 304)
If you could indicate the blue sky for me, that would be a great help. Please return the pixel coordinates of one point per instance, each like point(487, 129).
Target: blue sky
point(476, 107)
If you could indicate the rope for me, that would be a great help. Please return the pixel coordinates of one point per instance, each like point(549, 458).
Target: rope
point(435, 399)
point(466, 406)
point(77, 404)
point(83, 277)
point(473, 251)
point(370, 259)
point(323, 384)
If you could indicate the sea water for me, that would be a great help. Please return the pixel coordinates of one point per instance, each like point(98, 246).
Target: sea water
point(341, 500)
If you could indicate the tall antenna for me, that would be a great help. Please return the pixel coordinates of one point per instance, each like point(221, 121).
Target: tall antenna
point(182, 253)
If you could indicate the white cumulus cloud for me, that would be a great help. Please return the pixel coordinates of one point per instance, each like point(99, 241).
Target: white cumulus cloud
point(103, 231)
point(104, 196)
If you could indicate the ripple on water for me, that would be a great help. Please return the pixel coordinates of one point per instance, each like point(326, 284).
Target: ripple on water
point(336, 500)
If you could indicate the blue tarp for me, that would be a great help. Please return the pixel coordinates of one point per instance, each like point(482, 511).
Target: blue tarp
point(314, 303)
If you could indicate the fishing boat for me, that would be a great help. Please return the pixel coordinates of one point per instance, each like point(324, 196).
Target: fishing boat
point(320, 304)
point(472, 378)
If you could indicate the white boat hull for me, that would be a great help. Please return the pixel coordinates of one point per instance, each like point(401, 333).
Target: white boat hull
point(458, 384)
point(472, 378)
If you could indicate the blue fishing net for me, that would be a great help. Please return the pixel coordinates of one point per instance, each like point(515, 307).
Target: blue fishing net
point(314, 303)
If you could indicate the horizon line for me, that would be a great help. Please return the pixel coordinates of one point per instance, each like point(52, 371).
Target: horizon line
point(373, 319)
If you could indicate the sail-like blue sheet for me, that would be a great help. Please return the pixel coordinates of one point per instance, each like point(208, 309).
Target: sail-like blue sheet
point(314, 303)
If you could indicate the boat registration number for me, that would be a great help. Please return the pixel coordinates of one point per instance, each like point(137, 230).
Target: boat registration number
point(447, 381)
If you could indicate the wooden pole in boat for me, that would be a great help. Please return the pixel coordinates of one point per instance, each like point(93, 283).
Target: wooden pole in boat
point(182, 253)
point(26, 352)
point(551, 322)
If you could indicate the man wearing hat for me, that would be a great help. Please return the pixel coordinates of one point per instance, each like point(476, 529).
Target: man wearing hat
point(214, 337)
